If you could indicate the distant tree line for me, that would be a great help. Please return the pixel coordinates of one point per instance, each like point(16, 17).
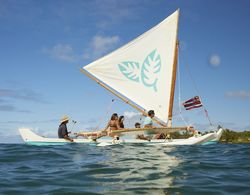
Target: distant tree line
point(230, 136)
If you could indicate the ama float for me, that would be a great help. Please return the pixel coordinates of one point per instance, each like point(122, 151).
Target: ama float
point(143, 74)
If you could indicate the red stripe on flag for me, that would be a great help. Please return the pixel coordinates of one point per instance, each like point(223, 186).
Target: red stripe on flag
point(192, 103)
point(192, 99)
point(192, 107)
point(195, 106)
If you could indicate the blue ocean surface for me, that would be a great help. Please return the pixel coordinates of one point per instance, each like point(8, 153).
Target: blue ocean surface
point(125, 169)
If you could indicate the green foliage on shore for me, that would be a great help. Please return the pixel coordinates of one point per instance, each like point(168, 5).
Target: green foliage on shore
point(230, 136)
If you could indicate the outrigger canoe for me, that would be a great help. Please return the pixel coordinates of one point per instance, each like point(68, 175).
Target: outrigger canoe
point(142, 73)
point(29, 137)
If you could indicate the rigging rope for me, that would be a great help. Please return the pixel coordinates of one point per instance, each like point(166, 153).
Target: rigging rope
point(198, 93)
point(179, 89)
point(102, 117)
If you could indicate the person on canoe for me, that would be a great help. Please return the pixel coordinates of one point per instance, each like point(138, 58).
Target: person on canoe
point(120, 121)
point(137, 125)
point(62, 130)
point(148, 123)
point(113, 125)
point(140, 136)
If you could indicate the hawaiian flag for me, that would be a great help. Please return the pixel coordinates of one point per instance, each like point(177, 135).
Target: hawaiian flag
point(192, 103)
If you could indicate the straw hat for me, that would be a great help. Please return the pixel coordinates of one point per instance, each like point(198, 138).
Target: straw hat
point(64, 118)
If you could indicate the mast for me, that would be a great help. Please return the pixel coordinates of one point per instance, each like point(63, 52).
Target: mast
point(119, 96)
point(171, 100)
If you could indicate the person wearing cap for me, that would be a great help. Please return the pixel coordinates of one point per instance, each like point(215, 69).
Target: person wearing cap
point(62, 130)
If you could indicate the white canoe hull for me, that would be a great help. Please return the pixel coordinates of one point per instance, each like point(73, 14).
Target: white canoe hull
point(216, 139)
point(32, 138)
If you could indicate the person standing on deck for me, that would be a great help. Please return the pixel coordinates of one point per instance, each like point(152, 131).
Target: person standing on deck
point(62, 130)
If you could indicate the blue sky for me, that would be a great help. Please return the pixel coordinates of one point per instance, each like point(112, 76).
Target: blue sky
point(43, 44)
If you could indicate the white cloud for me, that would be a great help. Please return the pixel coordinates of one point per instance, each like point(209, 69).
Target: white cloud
point(214, 60)
point(100, 45)
point(113, 11)
point(130, 114)
point(239, 94)
point(62, 52)
point(132, 117)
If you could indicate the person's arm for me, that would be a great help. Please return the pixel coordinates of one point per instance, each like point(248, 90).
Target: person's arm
point(65, 134)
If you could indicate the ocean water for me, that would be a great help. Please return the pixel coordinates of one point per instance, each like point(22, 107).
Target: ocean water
point(125, 169)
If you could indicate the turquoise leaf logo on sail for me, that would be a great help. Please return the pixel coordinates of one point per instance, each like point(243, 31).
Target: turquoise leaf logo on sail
point(147, 74)
point(150, 69)
point(130, 70)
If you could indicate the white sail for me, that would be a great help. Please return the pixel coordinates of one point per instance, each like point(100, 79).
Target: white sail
point(142, 69)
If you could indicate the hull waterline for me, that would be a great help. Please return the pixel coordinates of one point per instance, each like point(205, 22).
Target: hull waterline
point(31, 138)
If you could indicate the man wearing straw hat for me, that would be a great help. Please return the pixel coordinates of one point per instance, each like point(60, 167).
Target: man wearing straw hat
point(62, 130)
